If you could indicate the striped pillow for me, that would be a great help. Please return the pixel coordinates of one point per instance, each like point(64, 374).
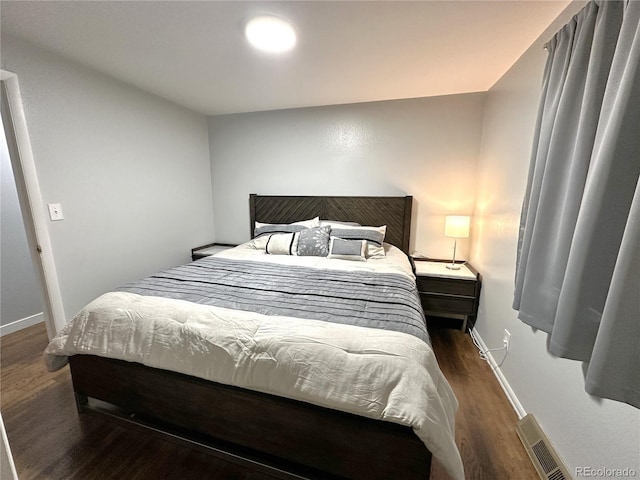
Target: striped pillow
point(264, 228)
point(261, 231)
point(282, 244)
point(374, 237)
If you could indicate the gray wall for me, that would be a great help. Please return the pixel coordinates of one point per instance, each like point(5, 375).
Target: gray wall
point(131, 171)
point(19, 295)
point(586, 431)
point(425, 147)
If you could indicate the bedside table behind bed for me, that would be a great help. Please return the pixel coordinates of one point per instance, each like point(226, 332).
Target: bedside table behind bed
point(209, 249)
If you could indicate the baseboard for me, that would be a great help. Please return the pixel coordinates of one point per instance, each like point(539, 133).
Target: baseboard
point(20, 324)
point(508, 391)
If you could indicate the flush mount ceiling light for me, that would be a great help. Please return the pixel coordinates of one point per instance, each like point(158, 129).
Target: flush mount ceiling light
point(270, 34)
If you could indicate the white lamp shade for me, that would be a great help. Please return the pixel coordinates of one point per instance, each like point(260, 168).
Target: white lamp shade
point(456, 226)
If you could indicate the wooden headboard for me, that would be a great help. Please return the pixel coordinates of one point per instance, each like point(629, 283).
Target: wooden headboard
point(394, 212)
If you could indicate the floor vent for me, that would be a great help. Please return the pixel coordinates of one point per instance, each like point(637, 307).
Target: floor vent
point(544, 457)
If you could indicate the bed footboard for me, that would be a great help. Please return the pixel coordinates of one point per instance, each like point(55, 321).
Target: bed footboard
point(288, 438)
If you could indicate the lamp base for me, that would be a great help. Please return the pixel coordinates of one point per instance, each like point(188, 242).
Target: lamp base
point(453, 266)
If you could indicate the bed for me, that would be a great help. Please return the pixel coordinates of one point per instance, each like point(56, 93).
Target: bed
point(302, 421)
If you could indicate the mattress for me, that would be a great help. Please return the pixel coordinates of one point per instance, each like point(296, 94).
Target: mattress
point(335, 333)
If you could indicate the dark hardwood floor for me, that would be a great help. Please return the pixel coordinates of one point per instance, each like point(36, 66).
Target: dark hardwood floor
point(49, 440)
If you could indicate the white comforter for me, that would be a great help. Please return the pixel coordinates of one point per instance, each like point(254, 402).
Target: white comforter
point(383, 374)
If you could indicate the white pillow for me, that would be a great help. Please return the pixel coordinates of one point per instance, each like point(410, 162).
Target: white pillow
point(259, 243)
point(282, 244)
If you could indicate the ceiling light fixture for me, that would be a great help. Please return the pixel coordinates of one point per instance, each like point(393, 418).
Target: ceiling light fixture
point(270, 34)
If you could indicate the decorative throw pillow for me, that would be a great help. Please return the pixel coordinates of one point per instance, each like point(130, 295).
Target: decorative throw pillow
point(373, 235)
point(347, 249)
point(314, 242)
point(281, 244)
point(261, 230)
point(260, 243)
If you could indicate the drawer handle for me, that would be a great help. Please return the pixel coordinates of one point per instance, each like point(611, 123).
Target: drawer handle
point(449, 295)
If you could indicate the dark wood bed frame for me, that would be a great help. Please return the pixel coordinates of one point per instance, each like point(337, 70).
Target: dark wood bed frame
point(282, 437)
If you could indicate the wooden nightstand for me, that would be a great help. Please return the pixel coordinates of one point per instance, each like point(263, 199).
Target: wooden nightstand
point(208, 250)
point(448, 293)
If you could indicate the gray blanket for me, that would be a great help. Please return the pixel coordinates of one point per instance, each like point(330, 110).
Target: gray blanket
point(375, 300)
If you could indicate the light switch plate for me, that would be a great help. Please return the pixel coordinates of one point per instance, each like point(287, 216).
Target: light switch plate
point(55, 211)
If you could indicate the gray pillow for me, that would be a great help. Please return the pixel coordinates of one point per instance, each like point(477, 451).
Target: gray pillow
point(347, 249)
point(314, 242)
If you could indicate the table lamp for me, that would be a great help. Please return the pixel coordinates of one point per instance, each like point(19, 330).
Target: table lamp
point(456, 226)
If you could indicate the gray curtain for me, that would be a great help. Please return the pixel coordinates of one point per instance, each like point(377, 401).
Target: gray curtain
point(578, 271)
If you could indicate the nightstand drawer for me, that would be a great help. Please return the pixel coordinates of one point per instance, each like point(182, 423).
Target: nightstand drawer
point(447, 304)
point(447, 286)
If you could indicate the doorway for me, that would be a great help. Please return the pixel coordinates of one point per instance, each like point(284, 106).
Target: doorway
point(20, 294)
point(30, 201)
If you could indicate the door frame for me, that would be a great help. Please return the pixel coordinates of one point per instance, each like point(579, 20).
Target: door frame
point(31, 204)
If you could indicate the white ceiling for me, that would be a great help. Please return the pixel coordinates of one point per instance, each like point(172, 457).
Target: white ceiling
point(194, 52)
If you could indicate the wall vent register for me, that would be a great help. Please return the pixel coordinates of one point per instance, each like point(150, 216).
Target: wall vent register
point(544, 457)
